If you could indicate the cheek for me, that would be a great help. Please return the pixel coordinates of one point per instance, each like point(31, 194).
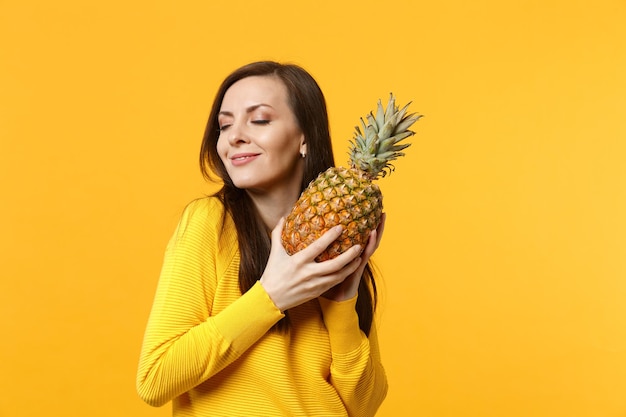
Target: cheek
point(222, 149)
point(285, 155)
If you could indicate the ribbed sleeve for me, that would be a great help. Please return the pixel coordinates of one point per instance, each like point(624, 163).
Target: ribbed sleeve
point(356, 370)
point(235, 325)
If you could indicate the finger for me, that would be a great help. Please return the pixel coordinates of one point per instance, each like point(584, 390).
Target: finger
point(342, 274)
point(380, 229)
point(321, 243)
point(277, 230)
point(372, 243)
point(334, 265)
point(351, 276)
point(374, 238)
point(381, 225)
point(275, 237)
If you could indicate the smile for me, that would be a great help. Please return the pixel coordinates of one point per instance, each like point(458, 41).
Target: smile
point(243, 158)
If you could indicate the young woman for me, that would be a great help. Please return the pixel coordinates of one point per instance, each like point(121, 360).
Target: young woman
point(238, 327)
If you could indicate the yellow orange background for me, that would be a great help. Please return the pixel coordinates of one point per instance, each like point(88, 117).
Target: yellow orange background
point(504, 256)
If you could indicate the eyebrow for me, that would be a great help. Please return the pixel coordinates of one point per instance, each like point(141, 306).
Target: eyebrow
point(248, 110)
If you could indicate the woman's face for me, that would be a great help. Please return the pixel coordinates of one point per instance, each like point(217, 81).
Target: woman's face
point(260, 141)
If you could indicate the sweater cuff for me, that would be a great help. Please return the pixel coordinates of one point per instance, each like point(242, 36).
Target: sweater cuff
point(248, 318)
point(342, 323)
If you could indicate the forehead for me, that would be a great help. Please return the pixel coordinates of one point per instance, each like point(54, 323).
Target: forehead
point(254, 90)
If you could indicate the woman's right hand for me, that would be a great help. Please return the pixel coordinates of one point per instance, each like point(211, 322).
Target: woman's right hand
point(296, 279)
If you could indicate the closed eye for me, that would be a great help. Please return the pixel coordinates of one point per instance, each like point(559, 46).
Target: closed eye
point(261, 122)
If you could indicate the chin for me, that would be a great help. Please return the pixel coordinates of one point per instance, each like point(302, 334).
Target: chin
point(247, 184)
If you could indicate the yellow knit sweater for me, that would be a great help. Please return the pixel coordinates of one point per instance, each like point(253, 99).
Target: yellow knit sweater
point(207, 347)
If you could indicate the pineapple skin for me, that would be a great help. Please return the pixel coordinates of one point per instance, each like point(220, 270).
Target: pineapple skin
point(338, 196)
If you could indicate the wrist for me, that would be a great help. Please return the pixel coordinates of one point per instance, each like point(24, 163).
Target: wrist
point(271, 294)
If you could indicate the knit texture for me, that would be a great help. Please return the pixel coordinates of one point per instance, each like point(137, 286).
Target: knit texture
point(207, 347)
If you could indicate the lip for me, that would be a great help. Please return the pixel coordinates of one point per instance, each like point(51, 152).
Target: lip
point(243, 158)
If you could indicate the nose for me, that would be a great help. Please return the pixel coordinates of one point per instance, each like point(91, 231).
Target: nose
point(237, 134)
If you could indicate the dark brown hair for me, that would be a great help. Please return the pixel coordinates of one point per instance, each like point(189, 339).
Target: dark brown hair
point(308, 104)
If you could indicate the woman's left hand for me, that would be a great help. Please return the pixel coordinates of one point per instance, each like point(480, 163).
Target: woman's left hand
point(350, 286)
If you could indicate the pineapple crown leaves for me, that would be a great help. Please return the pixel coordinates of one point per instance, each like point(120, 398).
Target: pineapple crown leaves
point(374, 147)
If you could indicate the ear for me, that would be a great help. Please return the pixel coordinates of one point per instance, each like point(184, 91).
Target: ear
point(302, 145)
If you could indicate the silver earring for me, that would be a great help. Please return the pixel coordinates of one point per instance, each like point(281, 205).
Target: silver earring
point(303, 154)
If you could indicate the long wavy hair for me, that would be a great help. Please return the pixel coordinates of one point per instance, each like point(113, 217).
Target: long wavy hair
point(308, 104)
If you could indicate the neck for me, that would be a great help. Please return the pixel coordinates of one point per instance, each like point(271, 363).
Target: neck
point(273, 206)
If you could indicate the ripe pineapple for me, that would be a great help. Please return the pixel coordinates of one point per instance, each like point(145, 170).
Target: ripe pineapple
point(347, 196)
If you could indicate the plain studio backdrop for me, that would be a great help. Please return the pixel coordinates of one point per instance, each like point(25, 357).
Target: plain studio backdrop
point(504, 257)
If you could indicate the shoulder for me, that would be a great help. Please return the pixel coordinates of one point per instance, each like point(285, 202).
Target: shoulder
point(206, 220)
point(201, 217)
point(210, 206)
point(207, 211)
